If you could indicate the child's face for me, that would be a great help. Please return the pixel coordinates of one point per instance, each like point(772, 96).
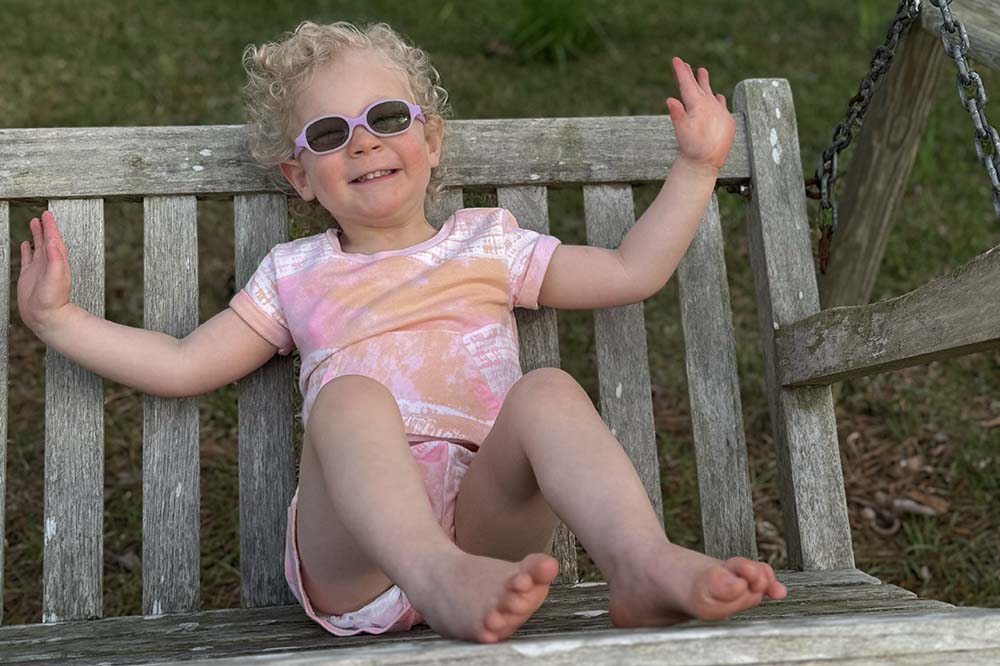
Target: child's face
point(347, 86)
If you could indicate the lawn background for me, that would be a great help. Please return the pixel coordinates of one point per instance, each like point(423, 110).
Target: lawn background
point(931, 430)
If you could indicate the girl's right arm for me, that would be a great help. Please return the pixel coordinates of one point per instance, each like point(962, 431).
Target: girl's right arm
point(220, 351)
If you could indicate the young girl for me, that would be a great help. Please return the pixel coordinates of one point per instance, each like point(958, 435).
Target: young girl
point(432, 471)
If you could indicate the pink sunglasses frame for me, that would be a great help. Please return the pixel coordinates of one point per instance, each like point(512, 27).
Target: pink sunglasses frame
point(416, 113)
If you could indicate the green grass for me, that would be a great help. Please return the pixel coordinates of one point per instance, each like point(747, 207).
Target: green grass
point(96, 63)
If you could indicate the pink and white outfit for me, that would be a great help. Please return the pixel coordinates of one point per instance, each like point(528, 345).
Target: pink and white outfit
point(434, 323)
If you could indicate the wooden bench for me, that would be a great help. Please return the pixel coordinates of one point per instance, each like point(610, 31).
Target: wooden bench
point(833, 611)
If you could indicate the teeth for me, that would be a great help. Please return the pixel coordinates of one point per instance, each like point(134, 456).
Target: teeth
point(374, 174)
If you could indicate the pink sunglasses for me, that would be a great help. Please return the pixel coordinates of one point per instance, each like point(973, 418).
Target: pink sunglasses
point(385, 117)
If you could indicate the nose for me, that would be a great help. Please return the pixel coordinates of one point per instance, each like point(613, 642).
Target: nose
point(362, 141)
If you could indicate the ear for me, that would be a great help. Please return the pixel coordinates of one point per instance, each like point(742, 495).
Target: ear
point(434, 136)
point(296, 175)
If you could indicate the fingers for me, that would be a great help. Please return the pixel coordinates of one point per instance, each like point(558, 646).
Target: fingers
point(37, 236)
point(44, 233)
point(685, 78)
point(703, 80)
point(51, 231)
point(689, 84)
point(25, 256)
point(676, 109)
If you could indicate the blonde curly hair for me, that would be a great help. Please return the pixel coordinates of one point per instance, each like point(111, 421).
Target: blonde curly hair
point(278, 71)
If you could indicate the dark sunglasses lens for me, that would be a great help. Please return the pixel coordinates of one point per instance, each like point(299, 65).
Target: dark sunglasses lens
point(327, 134)
point(389, 117)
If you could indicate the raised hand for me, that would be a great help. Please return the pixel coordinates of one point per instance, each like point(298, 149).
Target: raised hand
point(44, 283)
point(704, 126)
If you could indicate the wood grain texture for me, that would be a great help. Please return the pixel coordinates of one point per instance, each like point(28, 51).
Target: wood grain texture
point(876, 180)
point(4, 361)
point(714, 391)
point(626, 403)
point(813, 501)
point(572, 617)
point(265, 423)
point(945, 318)
point(171, 491)
point(922, 637)
point(131, 162)
point(982, 22)
point(74, 437)
point(538, 334)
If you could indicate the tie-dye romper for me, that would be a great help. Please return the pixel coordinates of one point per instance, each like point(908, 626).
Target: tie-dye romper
point(433, 322)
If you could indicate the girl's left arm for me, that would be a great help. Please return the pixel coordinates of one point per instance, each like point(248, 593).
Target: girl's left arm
point(580, 277)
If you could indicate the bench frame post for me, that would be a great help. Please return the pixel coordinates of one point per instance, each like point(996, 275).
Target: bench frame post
point(811, 481)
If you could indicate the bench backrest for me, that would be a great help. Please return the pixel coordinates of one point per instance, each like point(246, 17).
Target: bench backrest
point(75, 170)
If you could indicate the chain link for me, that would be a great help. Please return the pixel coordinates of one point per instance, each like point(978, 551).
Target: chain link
point(987, 136)
point(826, 173)
point(971, 91)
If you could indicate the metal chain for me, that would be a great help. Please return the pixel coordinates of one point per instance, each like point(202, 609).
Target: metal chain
point(969, 81)
point(826, 173)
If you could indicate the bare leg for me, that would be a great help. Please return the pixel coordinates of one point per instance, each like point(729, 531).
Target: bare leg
point(550, 448)
point(365, 520)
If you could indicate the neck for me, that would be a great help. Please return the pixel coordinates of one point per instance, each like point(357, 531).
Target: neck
point(368, 240)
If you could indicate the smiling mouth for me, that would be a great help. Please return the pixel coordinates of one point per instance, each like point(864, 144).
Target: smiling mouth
point(374, 175)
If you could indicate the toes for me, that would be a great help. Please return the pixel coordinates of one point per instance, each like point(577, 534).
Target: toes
point(517, 603)
point(495, 622)
point(487, 636)
point(542, 569)
point(522, 582)
point(725, 586)
point(759, 576)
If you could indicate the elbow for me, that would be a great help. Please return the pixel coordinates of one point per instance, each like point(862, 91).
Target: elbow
point(652, 286)
point(180, 380)
point(643, 290)
point(641, 284)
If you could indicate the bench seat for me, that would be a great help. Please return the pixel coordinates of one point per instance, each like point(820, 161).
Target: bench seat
point(831, 606)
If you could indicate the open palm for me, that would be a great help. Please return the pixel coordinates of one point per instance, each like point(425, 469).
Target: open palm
point(704, 126)
point(44, 283)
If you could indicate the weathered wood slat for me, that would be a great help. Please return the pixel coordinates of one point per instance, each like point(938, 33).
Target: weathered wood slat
point(130, 162)
point(982, 21)
point(812, 484)
point(620, 333)
point(923, 638)
point(714, 388)
point(946, 317)
point(828, 577)
point(265, 423)
point(538, 333)
point(74, 437)
point(811, 586)
point(577, 609)
point(171, 492)
point(4, 359)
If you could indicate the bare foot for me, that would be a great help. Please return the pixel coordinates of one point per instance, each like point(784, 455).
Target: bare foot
point(483, 599)
point(670, 584)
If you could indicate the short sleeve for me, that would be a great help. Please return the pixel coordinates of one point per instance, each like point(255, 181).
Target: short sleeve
point(528, 256)
point(259, 306)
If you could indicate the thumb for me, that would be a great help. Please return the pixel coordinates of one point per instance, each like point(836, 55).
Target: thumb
point(676, 108)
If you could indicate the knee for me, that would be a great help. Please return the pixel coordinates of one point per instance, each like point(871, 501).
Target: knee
point(353, 392)
point(547, 388)
point(351, 399)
